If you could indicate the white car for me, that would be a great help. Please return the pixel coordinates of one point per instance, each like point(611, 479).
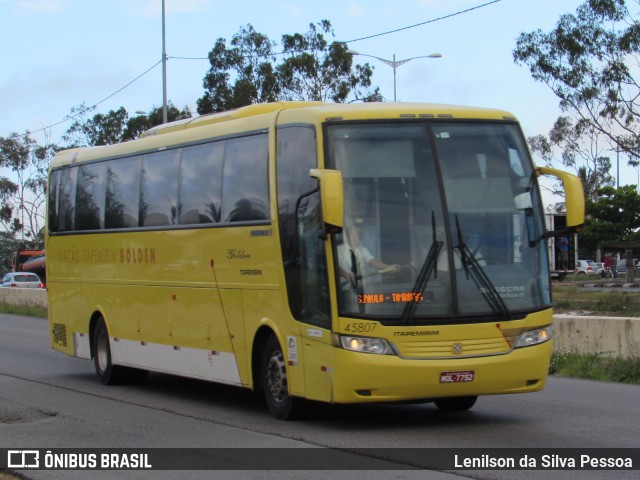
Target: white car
point(586, 267)
point(22, 280)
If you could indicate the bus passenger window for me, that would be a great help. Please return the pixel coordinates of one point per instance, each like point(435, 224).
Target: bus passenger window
point(123, 193)
point(245, 190)
point(201, 183)
point(159, 198)
point(90, 196)
point(67, 200)
point(54, 188)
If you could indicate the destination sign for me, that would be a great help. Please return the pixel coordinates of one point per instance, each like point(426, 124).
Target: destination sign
point(393, 297)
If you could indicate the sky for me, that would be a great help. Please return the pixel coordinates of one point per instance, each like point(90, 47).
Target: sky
point(59, 54)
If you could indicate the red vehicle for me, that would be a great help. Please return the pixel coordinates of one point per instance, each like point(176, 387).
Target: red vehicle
point(21, 257)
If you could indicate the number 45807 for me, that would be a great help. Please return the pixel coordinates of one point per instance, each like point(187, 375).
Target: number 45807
point(360, 327)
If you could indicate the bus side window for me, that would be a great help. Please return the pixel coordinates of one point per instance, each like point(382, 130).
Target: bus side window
point(54, 195)
point(67, 200)
point(159, 194)
point(245, 183)
point(123, 193)
point(201, 183)
point(90, 196)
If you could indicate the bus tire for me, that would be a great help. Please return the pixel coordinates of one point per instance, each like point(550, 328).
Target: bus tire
point(273, 372)
point(107, 372)
point(455, 404)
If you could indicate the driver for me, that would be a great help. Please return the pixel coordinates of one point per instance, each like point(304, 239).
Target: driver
point(354, 259)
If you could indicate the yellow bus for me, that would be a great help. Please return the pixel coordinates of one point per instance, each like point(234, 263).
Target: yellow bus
point(308, 251)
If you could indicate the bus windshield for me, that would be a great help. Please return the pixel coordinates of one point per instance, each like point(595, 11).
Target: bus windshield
point(443, 222)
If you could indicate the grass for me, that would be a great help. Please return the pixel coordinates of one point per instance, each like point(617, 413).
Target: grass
point(26, 310)
point(595, 367)
point(616, 303)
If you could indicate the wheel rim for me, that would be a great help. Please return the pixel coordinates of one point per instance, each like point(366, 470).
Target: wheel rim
point(102, 353)
point(276, 377)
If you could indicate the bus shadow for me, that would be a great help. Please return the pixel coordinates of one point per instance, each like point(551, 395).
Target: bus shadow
point(401, 415)
point(209, 396)
point(202, 392)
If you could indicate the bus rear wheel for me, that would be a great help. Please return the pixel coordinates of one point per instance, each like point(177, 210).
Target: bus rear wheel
point(274, 384)
point(456, 404)
point(107, 372)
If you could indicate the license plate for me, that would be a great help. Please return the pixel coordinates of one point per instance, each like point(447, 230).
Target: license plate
point(457, 377)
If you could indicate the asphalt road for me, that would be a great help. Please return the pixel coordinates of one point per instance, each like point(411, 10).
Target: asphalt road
point(49, 400)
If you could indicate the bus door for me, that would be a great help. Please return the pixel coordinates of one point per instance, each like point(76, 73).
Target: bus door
point(314, 311)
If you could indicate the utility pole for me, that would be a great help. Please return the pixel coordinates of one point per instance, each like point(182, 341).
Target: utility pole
point(164, 69)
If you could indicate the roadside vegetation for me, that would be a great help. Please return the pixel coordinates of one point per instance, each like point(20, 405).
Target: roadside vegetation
point(27, 311)
point(595, 367)
point(616, 303)
point(568, 298)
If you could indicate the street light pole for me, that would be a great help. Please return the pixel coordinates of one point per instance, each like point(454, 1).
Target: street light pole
point(394, 64)
point(395, 67)
point(164, 69)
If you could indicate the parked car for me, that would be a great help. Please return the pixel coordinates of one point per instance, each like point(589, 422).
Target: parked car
point(586, 267)
point(21, 280)
point(600, 269)
point(622, 266)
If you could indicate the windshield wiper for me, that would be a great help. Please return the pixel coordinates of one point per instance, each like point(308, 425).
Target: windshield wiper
point(474, 269)
point(428, 267)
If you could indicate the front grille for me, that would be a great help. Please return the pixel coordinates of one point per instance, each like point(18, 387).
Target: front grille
point(412, 348)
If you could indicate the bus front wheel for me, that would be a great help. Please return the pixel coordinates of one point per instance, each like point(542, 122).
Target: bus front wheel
point(274, 383)
point(456, 404)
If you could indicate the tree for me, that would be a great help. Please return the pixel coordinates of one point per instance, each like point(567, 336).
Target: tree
point(589, 61)
point(615, 216)
point(246, 72)
point(580, 149)
point(23, 194)
point(101, 129)
point(115, 126)
point(250, 55)
point(316, 70)
point(8, 246)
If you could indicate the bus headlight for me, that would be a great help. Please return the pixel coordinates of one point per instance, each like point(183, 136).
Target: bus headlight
point(534, 337)
point(378, 346)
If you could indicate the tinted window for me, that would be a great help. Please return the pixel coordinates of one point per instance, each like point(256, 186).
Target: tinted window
point(222, 181)
point(245, 192)
point(123, 193)
point(201, 183)
point(303, 256)
point(54, 186)
point(67, 199)
point(23, 277)
point(159, 200)
point(90, 196)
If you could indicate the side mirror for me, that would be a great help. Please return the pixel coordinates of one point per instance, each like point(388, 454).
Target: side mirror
point(331, 198)
point(573, 195)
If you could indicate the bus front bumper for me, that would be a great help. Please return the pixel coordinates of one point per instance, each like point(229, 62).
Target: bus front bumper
point(386, 378)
